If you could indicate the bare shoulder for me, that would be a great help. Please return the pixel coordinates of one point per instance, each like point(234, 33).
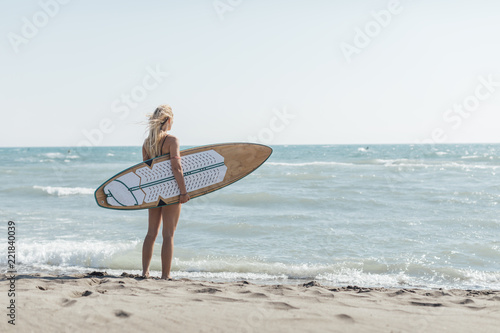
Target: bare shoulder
point(171, 140)
point(171, 143)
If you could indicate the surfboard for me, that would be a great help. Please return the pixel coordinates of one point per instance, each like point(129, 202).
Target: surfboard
point(151, 184)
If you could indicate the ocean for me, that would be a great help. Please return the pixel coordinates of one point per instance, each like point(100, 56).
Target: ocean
point(418, 216)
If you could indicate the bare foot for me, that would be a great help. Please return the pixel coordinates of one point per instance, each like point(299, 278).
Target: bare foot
point(145, 275)
point(168, 278)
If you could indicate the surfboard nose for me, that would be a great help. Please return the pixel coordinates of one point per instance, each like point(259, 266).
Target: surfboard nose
point(259, 152)
point(265, 151)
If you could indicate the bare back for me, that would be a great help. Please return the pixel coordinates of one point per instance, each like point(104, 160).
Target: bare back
point(170, 145)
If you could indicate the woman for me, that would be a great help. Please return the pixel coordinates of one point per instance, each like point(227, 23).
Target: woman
point(159, 142)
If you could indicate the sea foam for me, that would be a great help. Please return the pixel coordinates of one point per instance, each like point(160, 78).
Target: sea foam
point(63, 191)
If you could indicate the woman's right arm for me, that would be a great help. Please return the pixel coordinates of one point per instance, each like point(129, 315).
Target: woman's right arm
point(175, 160)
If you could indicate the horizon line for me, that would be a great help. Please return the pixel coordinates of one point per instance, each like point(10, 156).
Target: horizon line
point(279, 144)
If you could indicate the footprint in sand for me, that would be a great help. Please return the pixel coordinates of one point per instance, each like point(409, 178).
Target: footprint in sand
point(94, 281)
point(82, 294)
point(66, 302)
point(466, 301)
point(208, 290)
point(345, 318)
point(282, 306)
point(258, 295)
point(400, 292)
point(476, 308)
point(435, 305)
point(122, 314)
point(437, 294)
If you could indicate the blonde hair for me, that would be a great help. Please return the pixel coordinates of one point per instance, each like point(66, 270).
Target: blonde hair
point(156, 120)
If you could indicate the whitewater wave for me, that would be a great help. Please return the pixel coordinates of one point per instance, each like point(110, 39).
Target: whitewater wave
point(77, 259)
point(402, 162)
point(423, 164)
point(63, 253)
point(318, 163)
point(64, 191)
point(341, 274)
point(118, 256)
point(60, 156)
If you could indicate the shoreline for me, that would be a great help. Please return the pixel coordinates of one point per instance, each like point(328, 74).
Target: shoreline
point(222, 277)
point(80, 302)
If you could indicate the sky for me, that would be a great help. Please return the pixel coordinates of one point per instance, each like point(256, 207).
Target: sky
point(86, 73)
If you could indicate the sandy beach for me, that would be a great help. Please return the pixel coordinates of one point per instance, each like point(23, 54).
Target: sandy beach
point(97, 301)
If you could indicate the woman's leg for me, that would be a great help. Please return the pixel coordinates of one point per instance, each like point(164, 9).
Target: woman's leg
point(170, 215)
point(154, 221)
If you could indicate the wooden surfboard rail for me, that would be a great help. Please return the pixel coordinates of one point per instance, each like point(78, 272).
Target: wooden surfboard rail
point(240, 159)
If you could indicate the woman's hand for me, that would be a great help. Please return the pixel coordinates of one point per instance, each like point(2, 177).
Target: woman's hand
point(184, 198)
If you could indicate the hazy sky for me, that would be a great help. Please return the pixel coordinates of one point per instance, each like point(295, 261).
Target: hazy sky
point(278, 72)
